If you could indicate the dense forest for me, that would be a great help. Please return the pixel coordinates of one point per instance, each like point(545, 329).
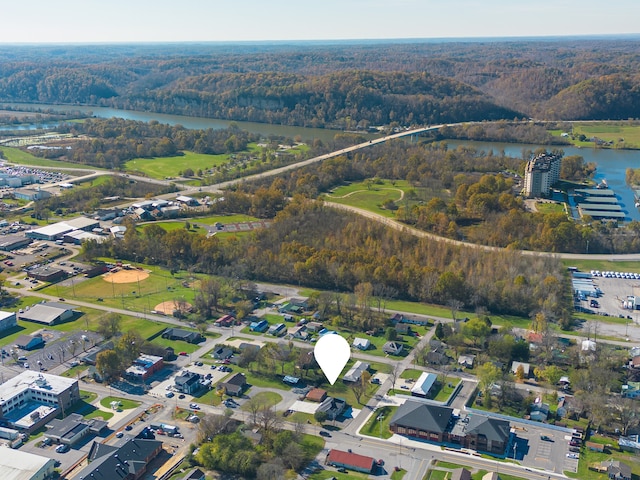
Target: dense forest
point(346, 85)
point(313, 245)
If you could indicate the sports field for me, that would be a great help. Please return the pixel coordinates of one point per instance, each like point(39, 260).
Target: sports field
point(143, 290)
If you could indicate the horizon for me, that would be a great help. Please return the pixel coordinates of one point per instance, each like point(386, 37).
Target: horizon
point(40, 22)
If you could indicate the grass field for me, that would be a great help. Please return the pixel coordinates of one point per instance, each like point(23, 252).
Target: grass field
point(15, 155)
point(548, 207)
point(265, 398)
point(370, 196)
point(621, 134)
point(140, 296)
point(162, 167)
point(174, 225)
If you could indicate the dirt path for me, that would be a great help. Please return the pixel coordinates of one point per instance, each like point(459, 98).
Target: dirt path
point(346, 195)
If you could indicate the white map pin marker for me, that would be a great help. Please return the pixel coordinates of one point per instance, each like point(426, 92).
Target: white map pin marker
point(332, 353)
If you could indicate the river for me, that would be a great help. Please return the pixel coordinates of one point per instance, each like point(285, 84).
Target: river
point(307, 134)
point(611, 165)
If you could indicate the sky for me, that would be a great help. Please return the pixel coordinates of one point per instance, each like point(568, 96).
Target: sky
point(117, 21)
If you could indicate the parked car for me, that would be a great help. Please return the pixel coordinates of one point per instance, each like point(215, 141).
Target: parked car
point(575, 456)
point(64, 448)
point(184, 354)
point(194, 406)
point(181, 396)
point(324, 433)
point(169, 394)
point(119, 434)
point(546, 438)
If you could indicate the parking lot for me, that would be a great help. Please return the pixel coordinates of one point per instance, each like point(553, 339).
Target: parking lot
point(165, 386)
point(543, 448)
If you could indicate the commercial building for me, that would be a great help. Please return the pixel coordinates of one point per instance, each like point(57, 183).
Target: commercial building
point(13, 242)
point(19, 465)
point(48, 313)
point(31, 399)
point(541, 173)
point(57, 230)
point(30, 342)
point(47, 273)
point(73, 428)
point(30, 194)
point(7, 320)
point(439, 425)
point(143, 367)
point(126, 462)
point(184, 335)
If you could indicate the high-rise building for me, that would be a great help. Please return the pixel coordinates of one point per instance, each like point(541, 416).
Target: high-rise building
point(541, 173)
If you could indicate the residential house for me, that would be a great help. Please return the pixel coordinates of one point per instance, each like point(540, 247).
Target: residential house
point(539, 411)
point(361, 343)
point(392, 348)
point(466, 360)
point(225, 321)
point(30, 342)
point(90, 357)
point(435, 357)
point(188, 382)
point(235, 385)
point(333, 407)
point(299, 332)
point(260, 326)
point(629, 444)
point(616, 470)
point(350, 460)
point(631, 390)
point(222, 353)
point(314, 327)
point(184, 335)
point(356, 371)
point(491, 476)
point(277, 330)
point(403, 329)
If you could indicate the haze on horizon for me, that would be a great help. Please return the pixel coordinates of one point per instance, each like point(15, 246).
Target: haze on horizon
point(126, 21)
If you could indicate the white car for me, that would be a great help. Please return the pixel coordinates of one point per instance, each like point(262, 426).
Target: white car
point(194, 406)
point(575, 456)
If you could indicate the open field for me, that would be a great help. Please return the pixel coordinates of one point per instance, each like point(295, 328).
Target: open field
point(588, 457)
point(378, 424)
point(162, 167)
point(15, 155)
point(139, 296)
point(621, 134)
point(370, 196)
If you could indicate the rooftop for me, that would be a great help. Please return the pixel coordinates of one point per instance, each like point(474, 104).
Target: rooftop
point(37, 381)
point(19, 465)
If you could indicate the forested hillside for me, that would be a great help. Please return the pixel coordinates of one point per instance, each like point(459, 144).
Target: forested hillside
point(341, 85)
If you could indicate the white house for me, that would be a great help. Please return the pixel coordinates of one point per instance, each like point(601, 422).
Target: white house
point(361, 343)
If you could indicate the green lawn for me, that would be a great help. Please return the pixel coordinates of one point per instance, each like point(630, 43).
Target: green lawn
point(436, 475)
point(371, 196)
point(125, 404)
point(162, 167)
point(546, 207)
point(612, 451)
point(444, 391)
point(266, 398)
point(398, 474)
point(224, 219)
point(379, 428)
point(15, 155)
point(174, 225)
point(610, 132)
point(325, 474)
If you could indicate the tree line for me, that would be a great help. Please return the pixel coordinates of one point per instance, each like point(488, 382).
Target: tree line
point(347, 84)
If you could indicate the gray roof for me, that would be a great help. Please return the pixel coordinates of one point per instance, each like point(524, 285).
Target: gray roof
point(45, 312)
point(431, 418)
point(110, 462)
point(493, 429)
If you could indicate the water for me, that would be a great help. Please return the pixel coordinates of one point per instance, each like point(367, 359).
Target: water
point(611, 165)
point(307, 134)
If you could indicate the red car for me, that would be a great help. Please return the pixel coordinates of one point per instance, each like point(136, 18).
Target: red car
point(184, 354)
